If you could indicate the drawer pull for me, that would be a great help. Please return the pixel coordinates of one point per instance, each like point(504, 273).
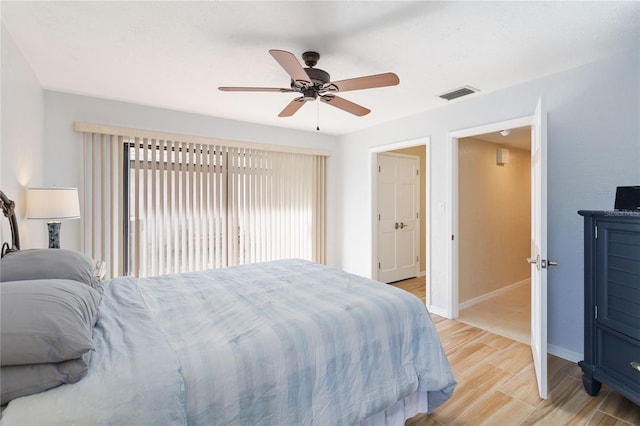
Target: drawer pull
point(635, 365)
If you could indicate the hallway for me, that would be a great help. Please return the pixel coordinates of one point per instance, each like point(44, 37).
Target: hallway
point(508, 314)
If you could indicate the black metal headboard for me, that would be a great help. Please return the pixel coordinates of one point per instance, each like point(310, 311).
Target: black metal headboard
point(8, 208)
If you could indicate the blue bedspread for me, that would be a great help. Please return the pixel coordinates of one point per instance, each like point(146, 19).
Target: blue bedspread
point(285, 342)
point(133, 378)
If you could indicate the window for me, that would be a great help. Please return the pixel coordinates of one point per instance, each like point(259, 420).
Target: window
point(193, 205)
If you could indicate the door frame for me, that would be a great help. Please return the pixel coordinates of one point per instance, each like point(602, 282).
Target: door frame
point(451, 308)
point(425, 197)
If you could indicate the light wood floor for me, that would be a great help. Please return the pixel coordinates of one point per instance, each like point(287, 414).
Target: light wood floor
point(507, 314)
point(497, 385)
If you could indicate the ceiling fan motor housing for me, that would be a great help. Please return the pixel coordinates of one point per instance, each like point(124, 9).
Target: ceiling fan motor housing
point(317, 76)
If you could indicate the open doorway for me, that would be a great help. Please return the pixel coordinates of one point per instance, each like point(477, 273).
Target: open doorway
point(538, 255)
point(494, 230)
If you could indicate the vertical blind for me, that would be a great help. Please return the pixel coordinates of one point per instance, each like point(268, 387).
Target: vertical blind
point(155, 205)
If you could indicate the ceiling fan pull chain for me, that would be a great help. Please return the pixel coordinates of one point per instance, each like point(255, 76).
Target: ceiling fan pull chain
point(318, 116)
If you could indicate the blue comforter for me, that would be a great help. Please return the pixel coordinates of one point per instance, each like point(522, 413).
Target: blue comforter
point(285, 342)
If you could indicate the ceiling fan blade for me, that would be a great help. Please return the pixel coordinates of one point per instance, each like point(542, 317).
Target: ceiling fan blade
point(292, 107)
point(345, 105)
point(368, 82)
point(288, 61)
point(254, 89)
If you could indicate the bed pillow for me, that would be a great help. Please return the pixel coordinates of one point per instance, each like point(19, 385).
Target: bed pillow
point(37, 264)
point(43, 321)
point(22, 380)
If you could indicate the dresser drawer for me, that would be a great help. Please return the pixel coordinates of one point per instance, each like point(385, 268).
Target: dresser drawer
point(618, 276)
point(616, 353)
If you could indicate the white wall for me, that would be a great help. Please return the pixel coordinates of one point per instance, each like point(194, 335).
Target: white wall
point(593, 146)
point(21, 145)
point(63, 148)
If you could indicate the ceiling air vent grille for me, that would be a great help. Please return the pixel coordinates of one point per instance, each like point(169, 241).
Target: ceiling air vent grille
point(463, 91)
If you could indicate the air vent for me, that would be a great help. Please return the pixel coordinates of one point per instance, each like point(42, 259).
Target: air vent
point(463, 91)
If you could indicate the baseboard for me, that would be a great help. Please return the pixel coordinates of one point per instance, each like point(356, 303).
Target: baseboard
point(438, 311)
point(422, 274)
point(564, 353)
point(492, 294)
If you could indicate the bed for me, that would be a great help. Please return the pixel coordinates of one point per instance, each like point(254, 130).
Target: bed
point(283, 342)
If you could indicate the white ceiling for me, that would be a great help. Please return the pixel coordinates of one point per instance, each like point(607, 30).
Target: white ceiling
point(175, 54)
point(519, 137)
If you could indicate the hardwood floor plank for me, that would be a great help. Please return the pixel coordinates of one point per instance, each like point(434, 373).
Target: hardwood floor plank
point(495, 341)
point(497, 384)
point(496, 408)
point(455, 334)
point(523, 386)
point(602, 419)
point(437, 318)
point(422, 420)
point(621, 408)
point(478, 381)
point(567, 404)
point(558, 369)
point(513, 359)
point(468, 356)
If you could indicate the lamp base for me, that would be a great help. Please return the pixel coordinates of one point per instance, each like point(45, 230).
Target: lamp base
point(54, 234)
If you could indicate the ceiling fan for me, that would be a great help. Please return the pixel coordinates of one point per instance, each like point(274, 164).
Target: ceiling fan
point(314, 83)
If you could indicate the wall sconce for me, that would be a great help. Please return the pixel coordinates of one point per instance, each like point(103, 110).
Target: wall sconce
point(505, 132)
point(502, 156)
point(54, 204)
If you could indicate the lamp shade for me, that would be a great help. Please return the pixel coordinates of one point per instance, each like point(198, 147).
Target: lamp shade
point(53, 203)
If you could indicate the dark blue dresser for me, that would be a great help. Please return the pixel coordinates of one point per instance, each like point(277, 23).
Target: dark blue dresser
point(612, 302)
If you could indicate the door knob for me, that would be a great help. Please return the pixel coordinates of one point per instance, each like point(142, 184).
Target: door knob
point(397, 226)
point(402, 225)
point(535, 261)
point(541, 263)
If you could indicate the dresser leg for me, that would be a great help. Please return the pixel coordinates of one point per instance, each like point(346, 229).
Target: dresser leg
point(591, 385)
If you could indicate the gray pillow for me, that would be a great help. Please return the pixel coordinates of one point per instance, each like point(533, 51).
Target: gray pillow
point(22, 380)
point(43, 321)
point(38, 264)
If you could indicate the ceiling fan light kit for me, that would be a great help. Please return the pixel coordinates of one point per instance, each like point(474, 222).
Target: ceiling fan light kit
point(313, 83)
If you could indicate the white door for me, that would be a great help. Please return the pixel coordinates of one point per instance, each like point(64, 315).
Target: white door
point(398, 209)
point(538, 257)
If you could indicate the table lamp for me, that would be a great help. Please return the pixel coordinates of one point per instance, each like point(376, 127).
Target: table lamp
point(54, 204)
